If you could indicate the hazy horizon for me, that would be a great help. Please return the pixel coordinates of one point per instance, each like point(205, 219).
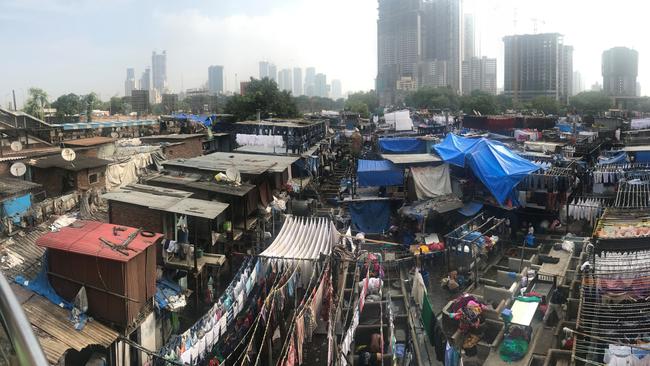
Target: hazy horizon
point(81, 46)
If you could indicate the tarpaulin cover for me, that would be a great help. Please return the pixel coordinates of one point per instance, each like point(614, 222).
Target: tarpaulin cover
point(642, 157)
point(493, 163)
point(371, 217)
point(471, 208)
point(376, 173)
point(431, 181)
point(17, 207)
point(41, 285)
point(616, 159)
point(404, 145)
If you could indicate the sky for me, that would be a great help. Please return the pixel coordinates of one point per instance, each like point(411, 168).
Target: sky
point(81, 46)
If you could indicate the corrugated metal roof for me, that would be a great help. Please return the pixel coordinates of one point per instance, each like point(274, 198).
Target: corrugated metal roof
point(401, 159)
point(80, 163)
point(91, 141)
point(54, 330)
point(21, 255)
point(83, 237)
point(246, 163)
point(158, 199)
point(13, 186)
point(223, 188)
point(175, 136)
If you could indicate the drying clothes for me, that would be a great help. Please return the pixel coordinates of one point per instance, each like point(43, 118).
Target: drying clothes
point(300, 336)
point(431, 181)
point(419, 290)
point(259, 140)
point(428, 319)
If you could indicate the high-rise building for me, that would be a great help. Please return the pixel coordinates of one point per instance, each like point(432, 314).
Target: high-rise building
point(273, 72)
point(320, 86)
point(310, 79)
point(578, 83)
point(285, 81)
point(537, 65)
point(620, 69)
point(480, 74)
point(215, 79)
point(469, 34)
point(159, 72)
point(139, 101)
point(415, 38)
point(297, 81)
point(145, 79)
point(264, 69)
point(638, 89)
point(129, 83)
point(337, 89)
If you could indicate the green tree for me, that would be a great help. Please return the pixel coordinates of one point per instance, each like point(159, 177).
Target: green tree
point(591, 102)
point(36, 103)
point(307, 104)
point(480, 101)
point(89, 102)
point(67, 105)
point(369, 98)
point(265, 97)
point(433, 98)
point(358, 107)
point(546, 105)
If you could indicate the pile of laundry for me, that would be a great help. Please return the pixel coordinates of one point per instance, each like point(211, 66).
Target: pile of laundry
point(468, 311)
point(260, 140)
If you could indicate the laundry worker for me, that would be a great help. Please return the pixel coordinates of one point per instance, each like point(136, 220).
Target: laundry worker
point(555, 304)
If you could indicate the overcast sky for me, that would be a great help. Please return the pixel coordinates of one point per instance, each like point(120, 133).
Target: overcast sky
point(85, 45)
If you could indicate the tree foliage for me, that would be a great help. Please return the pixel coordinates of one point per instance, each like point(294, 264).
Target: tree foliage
point(591, 102)
point(546, 105)
point(307, 104)
point(36, 103)
point(67, 105)
point(265, 97)
point(480, 101)
point(433, 98)
point(369, 98)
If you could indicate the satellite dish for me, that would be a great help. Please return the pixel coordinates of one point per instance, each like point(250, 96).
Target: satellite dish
point(18, 169)
point(233, 175)
point(16, 146)
point(115, 135)
point(68, 154)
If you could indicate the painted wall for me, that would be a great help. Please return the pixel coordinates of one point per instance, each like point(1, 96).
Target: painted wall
point(16, 207)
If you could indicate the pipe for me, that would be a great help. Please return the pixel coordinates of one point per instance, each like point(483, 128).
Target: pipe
point(19, 330)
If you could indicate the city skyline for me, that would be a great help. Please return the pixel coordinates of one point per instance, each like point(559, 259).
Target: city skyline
point(106, 55)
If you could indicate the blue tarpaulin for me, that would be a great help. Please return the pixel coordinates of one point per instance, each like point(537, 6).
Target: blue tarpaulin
point(493, 163)
point(402, 145)
point(642, 157)
point(377, 173)
point(619, 158)
point(370, 217)
point(471, 208)
point(17, 207)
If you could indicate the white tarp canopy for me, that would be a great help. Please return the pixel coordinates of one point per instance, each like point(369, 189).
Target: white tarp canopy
point(431, 181)
point(400, 119)
point(640, 123)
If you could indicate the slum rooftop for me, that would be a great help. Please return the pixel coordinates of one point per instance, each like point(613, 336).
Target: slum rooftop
point(79, 163)
point(175, 136)
point(245, 163)
point(293, 123)
point(166, 199)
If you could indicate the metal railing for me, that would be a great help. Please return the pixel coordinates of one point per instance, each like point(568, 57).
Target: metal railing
point(19, 330)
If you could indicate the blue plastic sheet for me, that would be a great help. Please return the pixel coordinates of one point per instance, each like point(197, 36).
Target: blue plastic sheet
point(402, 145)
point(642, 157)
point(471, 208)
point(619, 158)
point(16, 207)
point(164, 290)
point(41, 285)
point(493, 163)
point(377, 173)
point(370, 217)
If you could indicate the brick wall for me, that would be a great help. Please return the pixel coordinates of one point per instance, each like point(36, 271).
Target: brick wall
point(189, 148)
point(83, 181)
point(126, 214)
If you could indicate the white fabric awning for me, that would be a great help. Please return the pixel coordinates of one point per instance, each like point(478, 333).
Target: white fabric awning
point(303, 238)
point(431, 181)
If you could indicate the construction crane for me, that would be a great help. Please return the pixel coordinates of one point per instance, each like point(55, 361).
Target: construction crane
point(535, 21)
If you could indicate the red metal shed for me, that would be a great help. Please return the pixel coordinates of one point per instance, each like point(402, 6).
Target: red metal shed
point(119, 284)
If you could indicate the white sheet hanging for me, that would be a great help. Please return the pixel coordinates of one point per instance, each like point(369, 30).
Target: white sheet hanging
point(431, 181)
